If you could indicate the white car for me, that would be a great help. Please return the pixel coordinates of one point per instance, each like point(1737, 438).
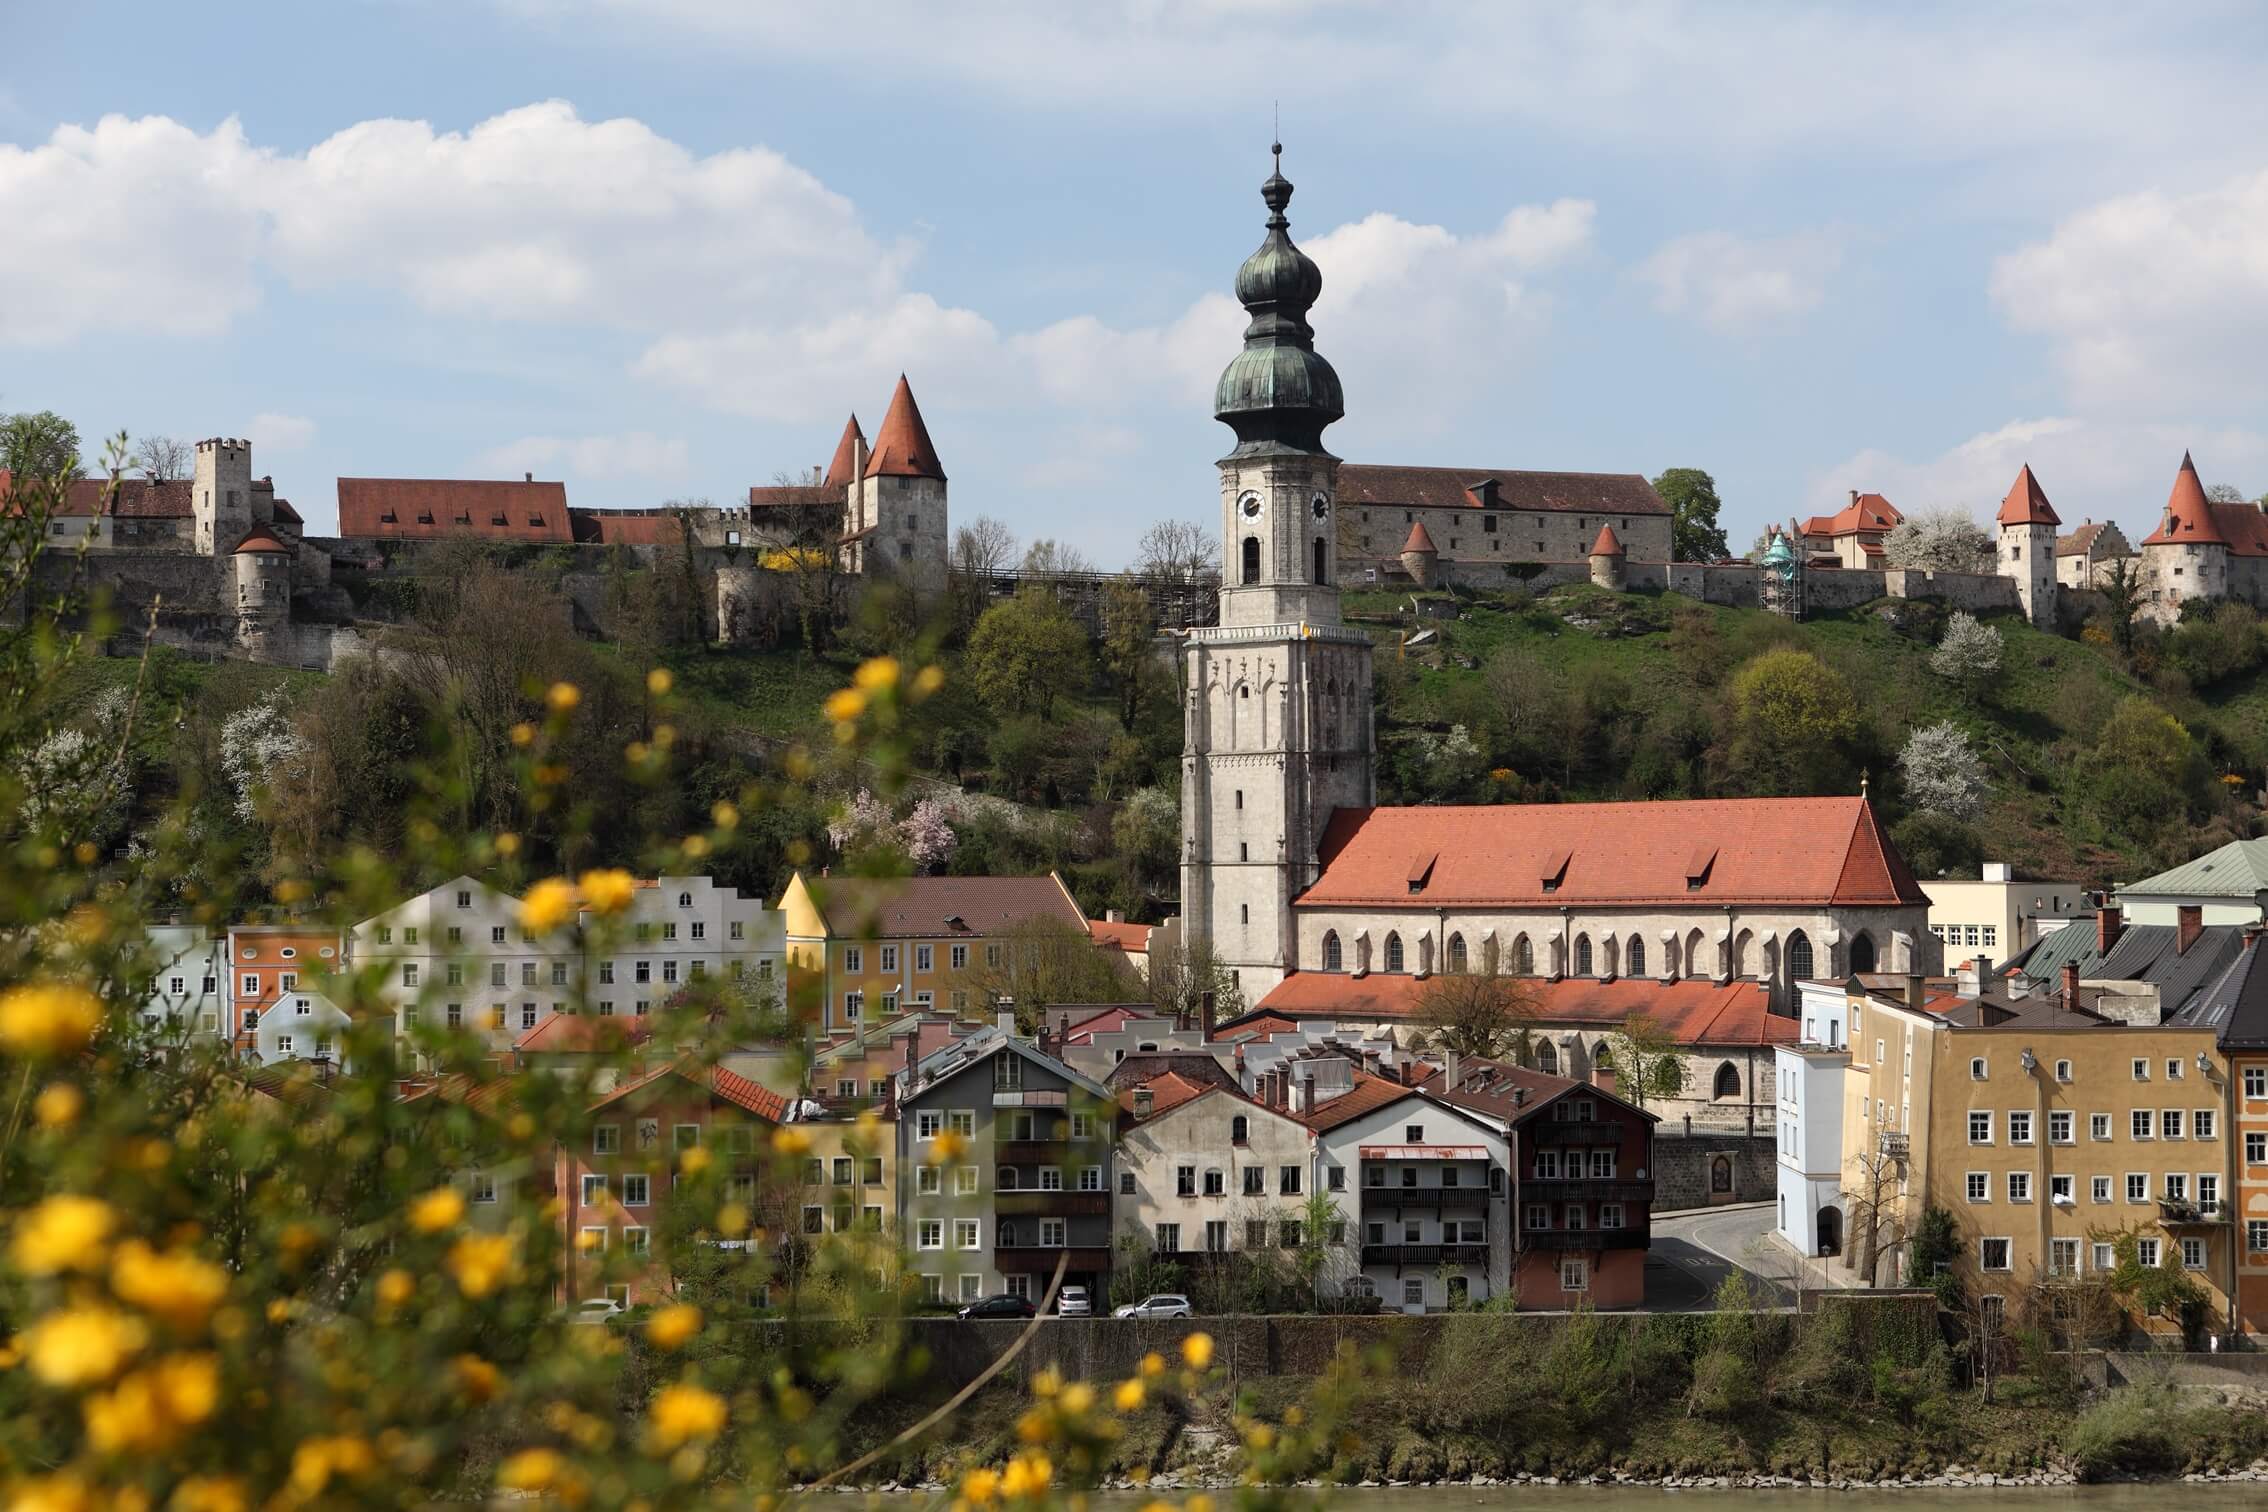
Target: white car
point(595, 1311)
point(1071, 1302)
point(1163, 1305)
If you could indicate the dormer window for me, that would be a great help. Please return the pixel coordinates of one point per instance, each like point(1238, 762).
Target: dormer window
point(1554, 869)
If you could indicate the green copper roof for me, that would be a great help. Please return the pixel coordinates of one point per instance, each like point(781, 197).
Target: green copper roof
point(1278, 392)
point(2238, 869)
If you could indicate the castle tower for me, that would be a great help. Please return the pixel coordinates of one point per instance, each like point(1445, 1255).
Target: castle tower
point(262, 570)
point(847, 472)
point(2027, 546)
point(221, 494)
point(900, 506)
point(1420, 557)
point(1607, 559)
point(1278, 728)
point(2188, 554)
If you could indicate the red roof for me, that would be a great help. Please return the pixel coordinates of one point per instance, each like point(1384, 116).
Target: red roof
point(2191, 518)
point(922, 906)
point(1419, 540)
point(731, 1086)
point(430, 508)
point(137, 498)
point(1608, 543)
point(1103, 1021)
point(843, 470)
point(260, 541)
point(1866, 513)
point(1134, 939)
point(2027, 503)
point(1369, 1094)
point(624, 527)
point(575, 1033)
point(1704, 852)
point(1256, 1026)
point(1168, 1090)
point(1694, 1011)
point(1482, 488)
point(901, 447)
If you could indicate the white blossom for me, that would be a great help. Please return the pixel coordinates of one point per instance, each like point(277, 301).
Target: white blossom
point(1943, 772)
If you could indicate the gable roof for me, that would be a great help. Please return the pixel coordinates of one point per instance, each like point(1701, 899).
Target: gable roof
point(1512, 1092)
point(2237, 1002)
point(2082, 541)
point(1368, 1094)
point(923, 907)
point(1703, 852)
point(1131, 938)
point(583, 1033)
point(842, 470)
point(730, 1086)
point(1168, 1090)
point(431, 508)
point(1867, 513)
point(624, 527)
point(1692, 1012)
point(902, 447)
point(1363, 483)
point(971, 1050)
point(2238, 869)
point(2026, 503)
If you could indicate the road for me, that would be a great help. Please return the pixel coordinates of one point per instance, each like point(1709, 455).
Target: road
point(1693, 1252)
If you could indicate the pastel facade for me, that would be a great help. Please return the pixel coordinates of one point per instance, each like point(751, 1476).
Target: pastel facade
point(268, 963)
point(2238, 1005)
point(1808, 1149)
point(188, 981)
point(1851, 537)
point(2226, 885)
point(1200, 1163)
point(1997, 914)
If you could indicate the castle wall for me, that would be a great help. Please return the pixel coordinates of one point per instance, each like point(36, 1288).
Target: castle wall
point(1373, 536)
point(1735, 585)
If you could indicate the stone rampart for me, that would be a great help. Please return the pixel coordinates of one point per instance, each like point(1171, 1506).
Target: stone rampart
point(1708, 1169)
point(1735, 584)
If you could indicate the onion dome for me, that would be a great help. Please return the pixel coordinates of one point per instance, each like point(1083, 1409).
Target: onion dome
point(1277, 393)
point(1778, 554)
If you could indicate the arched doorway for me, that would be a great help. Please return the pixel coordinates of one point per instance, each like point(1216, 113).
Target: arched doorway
point(1862, 953)
point(1830, 1231)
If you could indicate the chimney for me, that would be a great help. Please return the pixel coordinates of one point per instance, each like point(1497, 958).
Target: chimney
point(527, 477)
point(1519, 1097)
point(1142, 1099)
point(1973, 974)
point(1854, 496)
point(2070, 993)
point(2189, 923)
point(1114, 916)
point(1449, 1072)
point(1917, 990)
point(1603, 1078)
point(1006, 1016)
point(2108, 924)
point(1205, 1017)
point(1307, 1093)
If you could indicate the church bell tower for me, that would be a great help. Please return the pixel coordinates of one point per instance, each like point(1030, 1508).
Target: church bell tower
point(1278, 710)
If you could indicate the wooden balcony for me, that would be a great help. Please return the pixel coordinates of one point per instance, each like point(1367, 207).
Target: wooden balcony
point(1022, 1204)
point(1586, 1189)
point(1423, 1198)
point(1425, 1254)
point(1559, 1131)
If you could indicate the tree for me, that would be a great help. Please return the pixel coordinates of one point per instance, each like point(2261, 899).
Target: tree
point(1027, 652)
point(1942, 771)
point(1939, 540)
point(2226, 493)
point(1969, 651)
point(1691, 494)
point(1791, 714)
point(1646, 1060)
point(1935, 846)
point(1877, 1222)
point(165, 459)
point(1178, 551)
point(983, 546)
point(1129, 652)
point(1484, 1013)
point(2123, 594)
point(1146, 833)
point(1182, 971)
point(1042, 962)
point(1045, 558)
point(42, 445)
point(1320, 1255)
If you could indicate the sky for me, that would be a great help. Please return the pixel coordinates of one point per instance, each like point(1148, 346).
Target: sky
point(660, 250)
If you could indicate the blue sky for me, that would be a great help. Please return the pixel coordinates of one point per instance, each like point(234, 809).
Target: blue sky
point(659, 250)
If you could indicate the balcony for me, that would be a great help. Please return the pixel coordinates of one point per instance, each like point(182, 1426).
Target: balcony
point(2175, 1212)
point(1559, 1131)
point(1030, 1259)
point(1022, 1204)
point(1586, 1189)
point(1032, 1152)
point(1582, 1239)
point(1425, 1254)
point(1424, 1198)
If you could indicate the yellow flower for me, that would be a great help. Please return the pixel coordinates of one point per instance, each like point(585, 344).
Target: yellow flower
point(83, 1346)
point(210, 1493)
point(58, 1106)
point(65, 1232)
point(695, 846)
point(1034, 1427)
point(549, 904)
point(948, 1144)
point(1153, 1365)
point(292, 890)
point(671, 1327)
point(1047, 1383)
point(563, 697)
point(725, 816)
point(1198, 1503)
point(1197, 1349)
point(589, 1239)
point(1157, 1506)
point(878, 673)
point(693, 1160)
point(279, 1310)
point(608, 891)
point(507, 844)
point(179, 1287)
point(1129, 1396)
point(1260, 1435)
point(395, 1288)
point(790, 1140)
point(1026, 1475)
point(42, 1019)
point(684, 1414)
point(437, 1210)
point(316, 1460)
point(1077, 1398)
point(846, 704)
point(980, 1486)
point(481, 1263)
point(928, 680)
point(51, 1493)
point(534, 1470)
point(523, 734)
point(476, 1377)
point(659, 681)
point(188, 1385)
point(732, 1219)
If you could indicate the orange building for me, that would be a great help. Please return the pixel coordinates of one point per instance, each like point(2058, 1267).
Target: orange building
point(266, 962)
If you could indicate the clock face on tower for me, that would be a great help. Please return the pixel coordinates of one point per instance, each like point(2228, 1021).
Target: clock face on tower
point(1321, 506)
point(1249, 505)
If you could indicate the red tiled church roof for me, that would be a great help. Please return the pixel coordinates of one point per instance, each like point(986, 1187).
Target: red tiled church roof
point(902, 447)
point(1692, 1012)
point(2027, 503)
point(1703, 852)
point(432, 508)
point(1483, 488)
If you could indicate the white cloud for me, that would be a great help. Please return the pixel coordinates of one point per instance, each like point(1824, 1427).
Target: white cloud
point(633, 454)
point(1734, 283)
point(274, 432)
point(2153, 299)
point(2090, 469)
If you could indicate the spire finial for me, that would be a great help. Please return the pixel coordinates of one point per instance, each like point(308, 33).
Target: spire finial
point(1276, 138)
point(1862, 776)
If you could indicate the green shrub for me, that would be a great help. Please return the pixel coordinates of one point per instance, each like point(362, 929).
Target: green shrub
point(2129, 1432)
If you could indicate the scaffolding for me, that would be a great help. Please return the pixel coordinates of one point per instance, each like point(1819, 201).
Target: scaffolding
point(1779, 578)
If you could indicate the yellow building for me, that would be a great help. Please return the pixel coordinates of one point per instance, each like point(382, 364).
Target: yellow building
point(862, 950)
point(850, 1178)
point(1887, 1149)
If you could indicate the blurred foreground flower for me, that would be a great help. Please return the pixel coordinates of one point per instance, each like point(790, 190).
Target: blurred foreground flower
point(548, 905)
point(44, 1019)
point(65, 1232)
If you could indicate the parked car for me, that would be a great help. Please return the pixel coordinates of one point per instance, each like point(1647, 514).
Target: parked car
point(1162, 1305)
point(1071, 1302)
point(595, 1311)
point(1002, 1306)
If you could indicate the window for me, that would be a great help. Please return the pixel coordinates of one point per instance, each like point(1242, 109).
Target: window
point(2256, 1149)
point(2256, 1235)
point(2146, 1251)
point(961, 1121)
point(1980, 1128)
point(606, 1139)
point(1332, 959)
point(928, 1181)
point(1635, 964)
point(1582, 955)
point(959, 955)
point(966, 1179)
point(2175, 1186)
point(2063, 1257)
point(1574, 1274)
point(1610, 1217)
point(968, 1233)
point(1977, 1071)
point(1216, 1182)
point(2169, 1124)
point(594, 1240)
point(2192, 1254)
point(636, 1191)
point(991, 953)
point(1287, 1234)
point(1799, 955)
point(2137, 1186)
point(1169, 1239)
point(1287, 1181)
point(1255, 1233)
point(842, 1170)
point(1393, 952)
point(1052, 1232)
point(2063, 1071)
point(2103, 1257)
point(2020, 1127)
point(2019, 1186)
point(2209, 1194)
point(1050, 1179)
point(2098, 1126)
point(1980, 1186)
point(2203, 1125)
point(2141, 1069)
point(2098, 1188)
point(1992, 1254)
point(1256, 1181)
point(2173, 1068)
point(924, 957)
point(594, 1188)
point(2059, 1126)
point(2256, 1081)
point(928, 1123)
point(854, 959)
point(1125, 1183)
point(1457, 957)
point(1185, 1181)
point(889, 958)
point(930, 1233)
point(2141, 1123)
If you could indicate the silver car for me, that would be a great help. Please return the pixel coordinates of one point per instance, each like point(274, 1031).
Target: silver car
point(1162, 1305)
point(1071, 1302)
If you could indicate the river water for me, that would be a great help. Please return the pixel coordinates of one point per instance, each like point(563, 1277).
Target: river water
point(2223, 1497)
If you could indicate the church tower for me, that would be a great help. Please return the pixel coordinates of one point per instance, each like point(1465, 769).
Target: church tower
point(1278, 712)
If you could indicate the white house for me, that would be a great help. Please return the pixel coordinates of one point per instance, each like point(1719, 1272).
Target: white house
point(302, 1026)
point(1810, 1144)
point(188, 987)
point(1204, 1170)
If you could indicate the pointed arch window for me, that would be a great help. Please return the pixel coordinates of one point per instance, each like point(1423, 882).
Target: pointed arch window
point(1393, 952)
point(1862, 953)
point(1799, 956)
point(1251, 559)
point(1728, 1081)
point(1523, 957)
point(1582, 955)
point(1457, 959)
point(1332, 955)
point(1547, 1058)
point(1635, 957)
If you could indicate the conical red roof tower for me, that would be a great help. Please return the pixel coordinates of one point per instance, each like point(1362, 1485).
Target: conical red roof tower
point(1419, 540)
point(2189, 514)
point(843, 471)
point(2027, 503)
point(1608, 543)
point(901, 446)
